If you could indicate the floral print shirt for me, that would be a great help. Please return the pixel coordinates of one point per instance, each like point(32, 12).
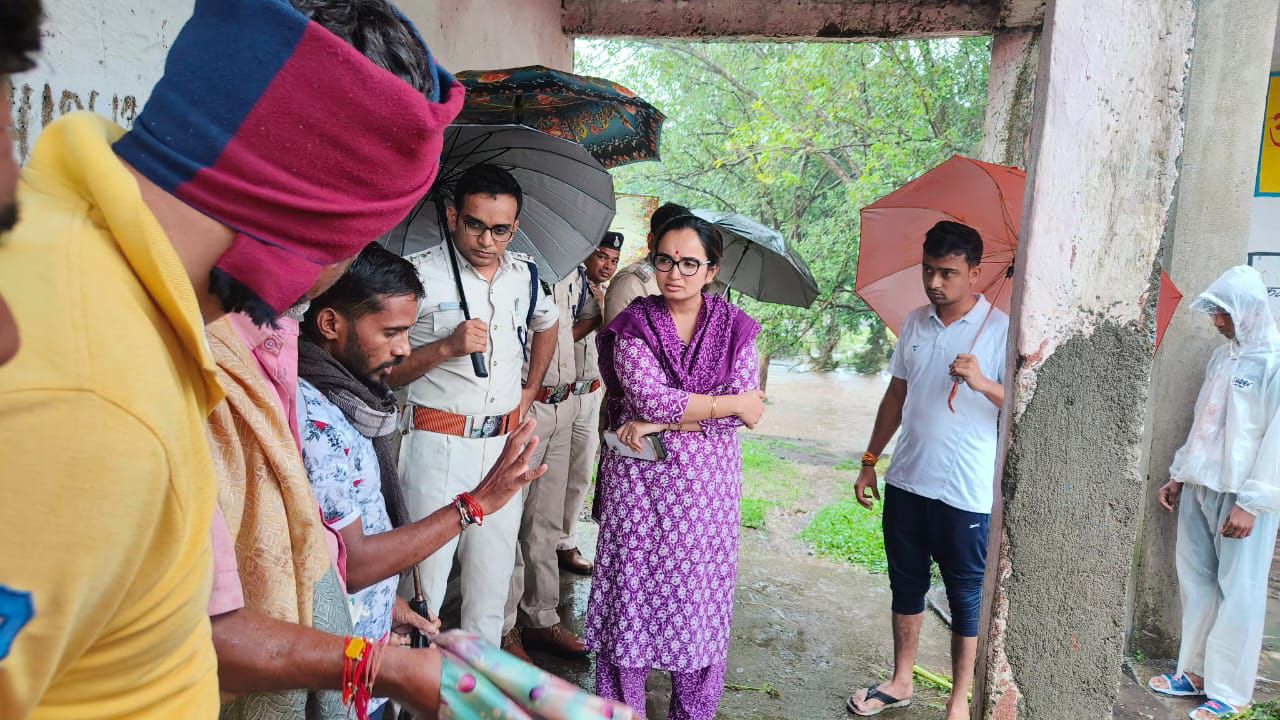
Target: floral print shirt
point(344, 474)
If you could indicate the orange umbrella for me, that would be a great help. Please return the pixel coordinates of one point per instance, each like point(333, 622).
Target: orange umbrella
point(1170, 296)
point(981, 195)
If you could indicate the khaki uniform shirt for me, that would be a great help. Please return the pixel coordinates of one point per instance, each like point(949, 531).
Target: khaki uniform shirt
point(564, 295)
point(452, 385)
point(584, 351)
point(635, 280)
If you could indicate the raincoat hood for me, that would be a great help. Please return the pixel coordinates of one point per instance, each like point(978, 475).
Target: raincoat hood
point(1241, 293)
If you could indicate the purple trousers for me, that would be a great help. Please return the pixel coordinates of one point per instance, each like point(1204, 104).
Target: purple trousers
point(695, 695)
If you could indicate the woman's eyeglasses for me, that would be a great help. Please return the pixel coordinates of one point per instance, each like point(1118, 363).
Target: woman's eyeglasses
point(688, 266)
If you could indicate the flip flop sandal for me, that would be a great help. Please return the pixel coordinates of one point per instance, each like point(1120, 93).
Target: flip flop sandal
point(873, 693)
point(1179, 686)
point(1216, 708)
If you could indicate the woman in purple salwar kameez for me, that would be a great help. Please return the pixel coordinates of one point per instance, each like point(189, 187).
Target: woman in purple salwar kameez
point(682, 364)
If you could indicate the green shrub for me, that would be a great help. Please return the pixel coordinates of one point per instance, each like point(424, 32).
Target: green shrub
point(848, 532)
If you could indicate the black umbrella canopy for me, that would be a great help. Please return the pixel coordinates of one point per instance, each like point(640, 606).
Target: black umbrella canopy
point(568, 195)
point(758, 262)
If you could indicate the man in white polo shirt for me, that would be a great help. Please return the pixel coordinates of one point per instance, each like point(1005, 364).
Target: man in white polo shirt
point(938, 494)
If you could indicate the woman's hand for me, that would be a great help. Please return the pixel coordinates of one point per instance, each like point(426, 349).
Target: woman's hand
point(633, 431)
point(749, 407)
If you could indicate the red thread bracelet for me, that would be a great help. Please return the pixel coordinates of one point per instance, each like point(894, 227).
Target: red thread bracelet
point(472, 513)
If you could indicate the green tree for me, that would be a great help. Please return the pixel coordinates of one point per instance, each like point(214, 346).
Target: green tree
point(800, 136)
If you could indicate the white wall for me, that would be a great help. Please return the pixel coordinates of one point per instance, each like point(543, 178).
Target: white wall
point(101, 55)
point(106, 55)
point(1264, 229)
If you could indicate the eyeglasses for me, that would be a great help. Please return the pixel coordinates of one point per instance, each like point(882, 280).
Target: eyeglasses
point(688, 266)
point(477, 229)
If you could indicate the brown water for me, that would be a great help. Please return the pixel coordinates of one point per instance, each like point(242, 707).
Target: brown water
point(836, 409)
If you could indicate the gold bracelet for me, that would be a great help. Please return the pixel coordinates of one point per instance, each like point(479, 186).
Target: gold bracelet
point(714, 398)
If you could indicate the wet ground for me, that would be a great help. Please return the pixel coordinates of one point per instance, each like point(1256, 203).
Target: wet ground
point(808, 631)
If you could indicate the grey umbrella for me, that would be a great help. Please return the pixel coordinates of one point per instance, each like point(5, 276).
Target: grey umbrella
point(758, 263)
point(568, 195)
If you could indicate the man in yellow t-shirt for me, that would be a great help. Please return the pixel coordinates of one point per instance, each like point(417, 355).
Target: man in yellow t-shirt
point(127, 245)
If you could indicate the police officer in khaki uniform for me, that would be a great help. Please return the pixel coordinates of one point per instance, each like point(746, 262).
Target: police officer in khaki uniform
point(455, 422)
point(639, 278)
point(534, 596)
point(598, 270)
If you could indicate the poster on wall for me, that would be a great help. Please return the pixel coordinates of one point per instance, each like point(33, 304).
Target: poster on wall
point(632, 220)
point(1268, 184)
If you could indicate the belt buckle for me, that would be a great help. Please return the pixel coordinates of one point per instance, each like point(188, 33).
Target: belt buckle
point(561, 394)
point(488, 427)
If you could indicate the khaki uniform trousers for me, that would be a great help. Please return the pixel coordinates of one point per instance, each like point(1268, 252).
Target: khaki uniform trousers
point(534, 592)
point(435, 468)
point(582, 464)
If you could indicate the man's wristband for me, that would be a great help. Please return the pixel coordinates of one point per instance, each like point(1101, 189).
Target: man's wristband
point(869, 459)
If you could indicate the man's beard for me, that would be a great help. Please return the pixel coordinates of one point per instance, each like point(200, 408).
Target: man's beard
point(8, 217)
point(354, 359)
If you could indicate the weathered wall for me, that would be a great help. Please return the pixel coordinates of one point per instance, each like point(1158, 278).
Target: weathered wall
point(1011, 87)
point(488, 34)
point(98, 55)
point(1209, 233)
point(1106, 138)
point(106, 55)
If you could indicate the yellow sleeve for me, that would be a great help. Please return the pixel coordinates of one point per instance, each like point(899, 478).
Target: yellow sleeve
point(83, 486)
point(624, 288)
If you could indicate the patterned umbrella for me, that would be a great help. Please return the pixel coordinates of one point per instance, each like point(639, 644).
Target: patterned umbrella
point(614, 125)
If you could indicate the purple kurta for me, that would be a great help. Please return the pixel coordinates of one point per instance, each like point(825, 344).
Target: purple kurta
point(667, 558)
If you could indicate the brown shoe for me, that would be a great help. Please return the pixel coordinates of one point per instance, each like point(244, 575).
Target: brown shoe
point(573, 561)
point(557, 640)
point(512, 645)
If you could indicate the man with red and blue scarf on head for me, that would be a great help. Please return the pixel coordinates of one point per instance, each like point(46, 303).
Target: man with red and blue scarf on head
point(282, 139)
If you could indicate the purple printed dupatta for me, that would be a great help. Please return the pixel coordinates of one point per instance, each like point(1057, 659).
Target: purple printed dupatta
point(700, 367)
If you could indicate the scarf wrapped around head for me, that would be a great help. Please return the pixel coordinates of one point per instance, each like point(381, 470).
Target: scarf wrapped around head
point(272, 125)
point(708, 363)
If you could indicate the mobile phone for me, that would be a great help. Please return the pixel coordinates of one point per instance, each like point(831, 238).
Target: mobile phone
point(652, 447)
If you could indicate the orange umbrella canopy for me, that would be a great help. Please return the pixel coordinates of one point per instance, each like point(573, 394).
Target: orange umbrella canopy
point(984, 196)
point(1166, 306)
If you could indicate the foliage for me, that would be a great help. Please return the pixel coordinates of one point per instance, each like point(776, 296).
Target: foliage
point(1269, 710)
point(848, 532)
point(767, 481)
point(801, 136)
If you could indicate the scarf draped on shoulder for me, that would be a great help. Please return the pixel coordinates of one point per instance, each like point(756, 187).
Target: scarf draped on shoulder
point(263, 488)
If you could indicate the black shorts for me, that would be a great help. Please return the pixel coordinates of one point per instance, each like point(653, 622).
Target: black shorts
point(919, 531)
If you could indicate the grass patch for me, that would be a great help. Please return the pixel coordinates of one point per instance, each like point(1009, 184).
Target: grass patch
point(768, 481)
point(849, 465)
point(754, 511)
point(848, 532)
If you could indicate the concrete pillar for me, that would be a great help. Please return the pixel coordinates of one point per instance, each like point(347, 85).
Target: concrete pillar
point(1106, 136)
point(1011, 85)
point(1226, 91)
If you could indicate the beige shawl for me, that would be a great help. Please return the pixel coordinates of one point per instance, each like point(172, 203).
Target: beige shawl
point(263, 488)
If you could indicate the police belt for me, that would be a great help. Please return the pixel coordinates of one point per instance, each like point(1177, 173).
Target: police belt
point(556, 394)
point(466, 426)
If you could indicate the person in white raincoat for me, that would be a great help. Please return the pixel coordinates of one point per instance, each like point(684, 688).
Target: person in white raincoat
point(1225, 483)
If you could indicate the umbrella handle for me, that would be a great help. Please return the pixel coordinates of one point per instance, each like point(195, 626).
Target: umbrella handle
point(477, 364)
